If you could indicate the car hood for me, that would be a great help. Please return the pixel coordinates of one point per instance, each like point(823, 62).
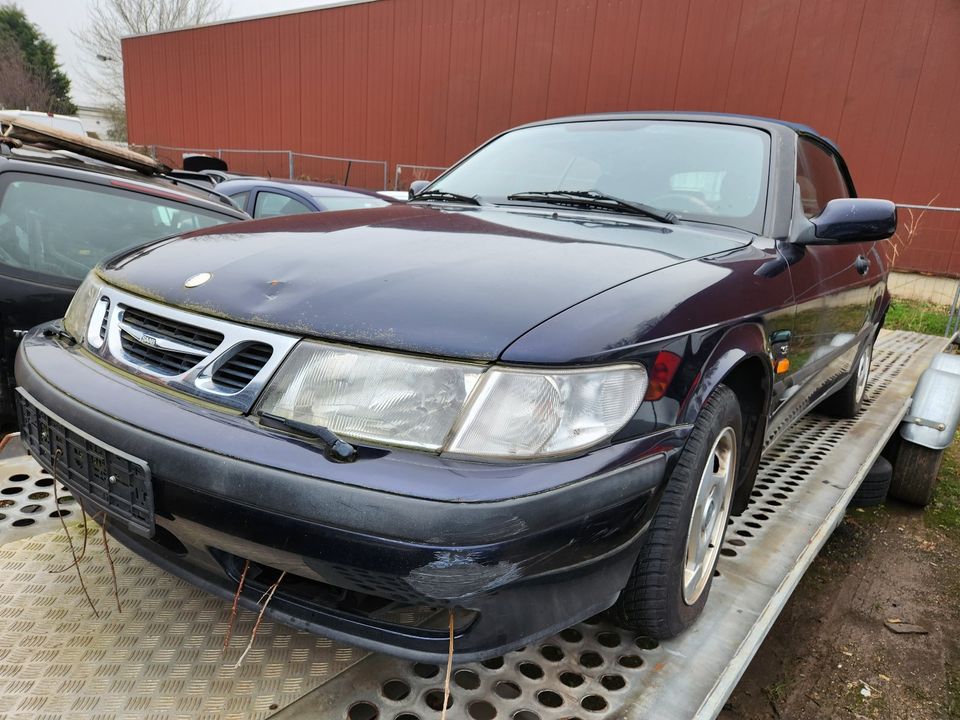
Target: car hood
point(451, 281)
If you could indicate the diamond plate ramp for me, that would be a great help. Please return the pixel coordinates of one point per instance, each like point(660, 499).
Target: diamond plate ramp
point(161, 657)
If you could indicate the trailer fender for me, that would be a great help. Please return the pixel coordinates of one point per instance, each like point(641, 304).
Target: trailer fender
point(935, 411)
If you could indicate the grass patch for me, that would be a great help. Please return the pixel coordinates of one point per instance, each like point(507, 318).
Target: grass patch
point(776, 692)
point(917, 316)
point(944, 511)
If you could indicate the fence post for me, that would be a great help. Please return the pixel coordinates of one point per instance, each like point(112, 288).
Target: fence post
point(386, 181)
point(396, 178)
point(290, 160)
point(220, 154)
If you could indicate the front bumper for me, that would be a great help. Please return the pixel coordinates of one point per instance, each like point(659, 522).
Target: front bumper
point(386, 532)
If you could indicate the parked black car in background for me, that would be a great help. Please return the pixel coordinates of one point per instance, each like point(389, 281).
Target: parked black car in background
point(60, 214)
point(534, 392)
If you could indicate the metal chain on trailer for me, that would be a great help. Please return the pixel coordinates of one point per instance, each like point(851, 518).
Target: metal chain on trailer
point(162, 656)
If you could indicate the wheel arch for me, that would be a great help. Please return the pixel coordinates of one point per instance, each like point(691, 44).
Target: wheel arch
point(741, 361)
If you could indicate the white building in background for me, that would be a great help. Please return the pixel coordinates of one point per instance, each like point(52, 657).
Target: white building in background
point(95, 120)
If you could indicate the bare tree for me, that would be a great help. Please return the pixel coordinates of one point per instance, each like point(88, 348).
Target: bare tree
point(111, 20)
point(21, 87)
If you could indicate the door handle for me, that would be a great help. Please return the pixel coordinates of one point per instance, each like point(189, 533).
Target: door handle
point(862, 265)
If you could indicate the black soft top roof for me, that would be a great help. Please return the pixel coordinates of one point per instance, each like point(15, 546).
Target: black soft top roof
point(731, 118)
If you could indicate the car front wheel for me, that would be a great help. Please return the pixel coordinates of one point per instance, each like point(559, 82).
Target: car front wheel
point(671, 580)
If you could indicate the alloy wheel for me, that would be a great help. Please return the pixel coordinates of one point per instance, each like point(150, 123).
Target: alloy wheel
point(708, 520)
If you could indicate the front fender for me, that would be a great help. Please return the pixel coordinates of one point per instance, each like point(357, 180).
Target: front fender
point(741, 361)
point(739, 344)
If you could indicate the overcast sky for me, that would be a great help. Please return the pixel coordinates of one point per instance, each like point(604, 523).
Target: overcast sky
point(58, 18)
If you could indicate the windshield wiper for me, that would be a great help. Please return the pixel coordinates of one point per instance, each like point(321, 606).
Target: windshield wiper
point(444, 196)
point(594, 198)
point(334, 449)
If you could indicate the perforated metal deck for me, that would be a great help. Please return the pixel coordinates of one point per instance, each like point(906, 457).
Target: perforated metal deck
point(162, 656)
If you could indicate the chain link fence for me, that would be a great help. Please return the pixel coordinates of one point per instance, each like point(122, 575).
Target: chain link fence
point(405, 174)
point(266, 163)
point(372, 174)
point(359, 172)
point(924, 302)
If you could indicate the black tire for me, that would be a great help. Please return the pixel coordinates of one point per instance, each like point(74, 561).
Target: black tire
point(875, 486)
point(652, 602)
point(915, 474)
point(847, 401)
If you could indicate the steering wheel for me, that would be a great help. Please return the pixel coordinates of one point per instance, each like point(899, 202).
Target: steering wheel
point(686, 202)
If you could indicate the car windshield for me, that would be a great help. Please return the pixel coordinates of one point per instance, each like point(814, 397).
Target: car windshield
point(63, 228)
point(708, 172)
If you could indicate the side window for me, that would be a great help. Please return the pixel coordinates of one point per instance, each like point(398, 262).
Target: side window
point(273, 205)
point(62, 228)
point(819, 178)
point(240, 199)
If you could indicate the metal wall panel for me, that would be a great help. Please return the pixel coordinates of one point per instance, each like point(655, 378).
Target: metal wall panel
point(498, 67)
point(424, 81)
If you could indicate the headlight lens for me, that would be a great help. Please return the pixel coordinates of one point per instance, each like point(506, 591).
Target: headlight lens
point(525, 414)
point(375, 396)
point(78, 314)
point(419, 403)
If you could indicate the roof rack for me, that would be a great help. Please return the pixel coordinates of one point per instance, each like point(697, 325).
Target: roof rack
point(27, 132)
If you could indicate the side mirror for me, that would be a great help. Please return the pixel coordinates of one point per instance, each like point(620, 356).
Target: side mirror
point(416, 187)
point(851, 220)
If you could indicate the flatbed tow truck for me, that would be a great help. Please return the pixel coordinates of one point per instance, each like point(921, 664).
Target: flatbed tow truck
point(162, 655)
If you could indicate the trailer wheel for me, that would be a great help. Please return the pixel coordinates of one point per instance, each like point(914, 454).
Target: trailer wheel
point(846, 402)
point(671, 579)
point(915, 474)
point(875, 486)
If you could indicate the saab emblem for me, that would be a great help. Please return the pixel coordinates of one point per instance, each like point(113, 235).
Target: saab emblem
point(197, 280)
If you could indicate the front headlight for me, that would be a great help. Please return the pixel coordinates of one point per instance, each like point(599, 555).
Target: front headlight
point(526, 414)
point(77, 319)
point(455, 407)
point(373, 396)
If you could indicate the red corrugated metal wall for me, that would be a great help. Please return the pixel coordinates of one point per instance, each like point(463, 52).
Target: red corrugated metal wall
point(424, 81)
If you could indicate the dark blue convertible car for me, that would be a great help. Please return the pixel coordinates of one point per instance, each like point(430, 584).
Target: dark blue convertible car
point(536, 391)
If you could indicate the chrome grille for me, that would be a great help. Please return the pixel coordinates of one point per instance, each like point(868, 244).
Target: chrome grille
point(237, 372)
point(102, 334)
point(165, 362)
point(165, 346)
point(159, 327)
point(213, 359)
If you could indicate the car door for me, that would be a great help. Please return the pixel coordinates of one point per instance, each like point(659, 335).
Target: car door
point(53, 230)
point(29, 295)
point(836, 286)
